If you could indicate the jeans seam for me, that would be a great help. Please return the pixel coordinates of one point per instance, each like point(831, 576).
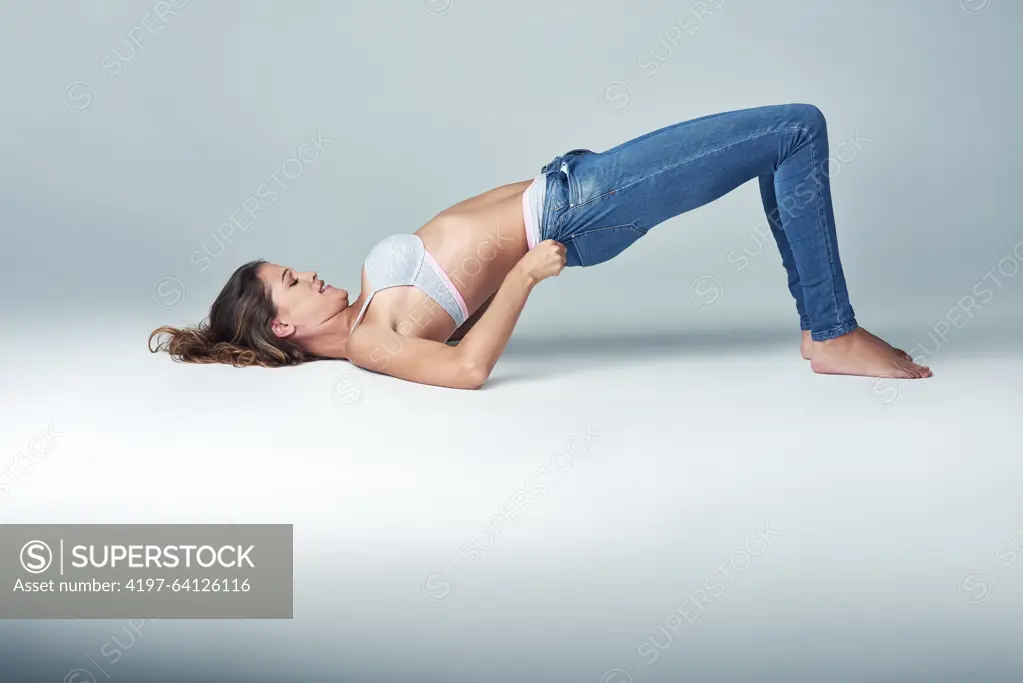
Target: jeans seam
point(635, 227)
point(821, 224)
point(689, 160)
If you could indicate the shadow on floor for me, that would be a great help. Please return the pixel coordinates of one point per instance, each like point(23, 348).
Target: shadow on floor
point(580, 353)
point(665, 343)
point(583, 352)
point(977, 339)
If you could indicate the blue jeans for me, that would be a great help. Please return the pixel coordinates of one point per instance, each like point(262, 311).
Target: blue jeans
point(599, 203)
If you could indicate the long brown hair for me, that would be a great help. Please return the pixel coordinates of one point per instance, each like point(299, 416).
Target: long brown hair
point(238, 330)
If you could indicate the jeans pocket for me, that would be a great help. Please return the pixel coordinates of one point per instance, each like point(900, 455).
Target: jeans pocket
point(597, 245)
point(569, 161)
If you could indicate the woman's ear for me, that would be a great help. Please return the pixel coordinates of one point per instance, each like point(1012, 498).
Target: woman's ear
point(282, 330)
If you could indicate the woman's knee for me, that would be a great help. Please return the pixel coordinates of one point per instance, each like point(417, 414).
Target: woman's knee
point(809, 116)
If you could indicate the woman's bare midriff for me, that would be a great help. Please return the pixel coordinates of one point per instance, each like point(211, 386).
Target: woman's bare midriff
point(477, 242)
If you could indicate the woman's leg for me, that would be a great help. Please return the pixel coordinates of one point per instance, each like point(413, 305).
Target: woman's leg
point(605, 201)
point(773, 213)
point(629, 189)
point(770, 201)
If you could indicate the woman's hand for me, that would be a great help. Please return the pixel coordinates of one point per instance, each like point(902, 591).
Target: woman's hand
point(544, 260)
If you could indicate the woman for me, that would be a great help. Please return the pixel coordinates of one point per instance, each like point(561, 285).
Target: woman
point(465, 275)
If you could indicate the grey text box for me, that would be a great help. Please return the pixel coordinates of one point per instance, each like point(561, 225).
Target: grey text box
point(103, 571)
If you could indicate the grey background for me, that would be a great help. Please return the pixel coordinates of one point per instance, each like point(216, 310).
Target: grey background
point(427, 109)
point(888, 495)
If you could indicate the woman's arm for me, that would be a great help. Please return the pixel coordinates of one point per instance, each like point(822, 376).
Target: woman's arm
point(485, 342)
point(469, 364)
point(381, 349)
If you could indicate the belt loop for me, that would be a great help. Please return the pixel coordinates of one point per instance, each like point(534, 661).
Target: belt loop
point(555, 162)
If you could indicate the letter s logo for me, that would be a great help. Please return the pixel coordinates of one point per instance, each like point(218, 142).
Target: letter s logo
point(36, 557)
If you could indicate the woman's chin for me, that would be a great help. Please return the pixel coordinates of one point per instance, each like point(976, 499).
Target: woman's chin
point(339, 295)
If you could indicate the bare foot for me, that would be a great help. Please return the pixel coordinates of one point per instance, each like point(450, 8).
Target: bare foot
point(806, 346)
point(861, 353)
point(898, 352)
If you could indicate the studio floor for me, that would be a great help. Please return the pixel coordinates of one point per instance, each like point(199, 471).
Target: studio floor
point(660, 507)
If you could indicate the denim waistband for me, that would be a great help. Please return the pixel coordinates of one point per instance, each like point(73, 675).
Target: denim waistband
point(560, 162)
point(558, 175)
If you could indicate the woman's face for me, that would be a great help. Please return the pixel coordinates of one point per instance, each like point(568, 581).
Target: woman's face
point(303, 301)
